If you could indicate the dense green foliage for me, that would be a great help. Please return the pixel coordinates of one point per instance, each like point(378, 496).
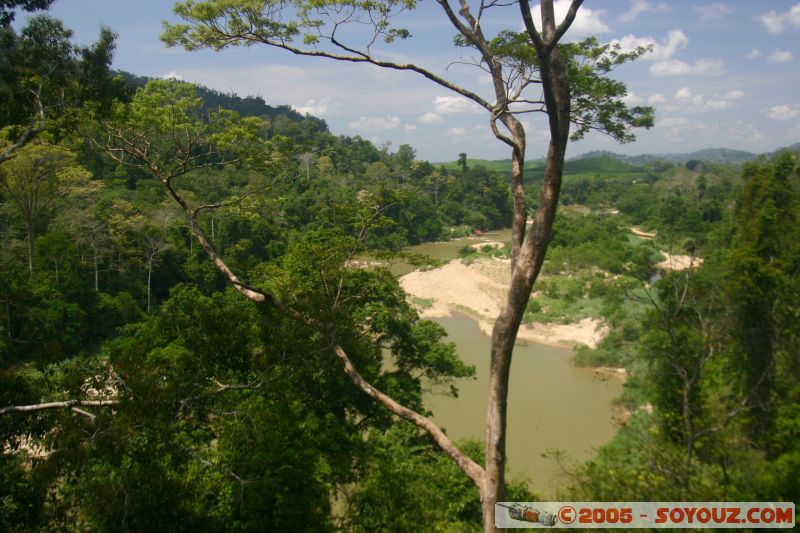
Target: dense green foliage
point(712, 393)
point(227, 415)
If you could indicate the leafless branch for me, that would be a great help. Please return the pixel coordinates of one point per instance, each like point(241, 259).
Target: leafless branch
point(68, 404)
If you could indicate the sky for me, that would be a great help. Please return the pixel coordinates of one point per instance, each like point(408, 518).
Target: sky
point(721, 74)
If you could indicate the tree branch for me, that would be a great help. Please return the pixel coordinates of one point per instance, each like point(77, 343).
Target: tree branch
point(470, 467)
point(36, 126)
point(68, 404)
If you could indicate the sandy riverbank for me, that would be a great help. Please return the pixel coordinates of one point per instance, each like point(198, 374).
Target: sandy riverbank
point(679, 262)
point(478, 289)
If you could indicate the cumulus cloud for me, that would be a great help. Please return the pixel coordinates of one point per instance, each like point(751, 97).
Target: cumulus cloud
point(666, 49)
point(755, 53)
point(457, 132)
point(410, 127)
point(716, 10)
point(587, 21)
point(631, 98)
point(374, 123)
point(695, 102)
point(172, 75)
point(663, 54)
point(430, 118)
point(744, 132)
point(676, 67)
point(454, 104)
point(674, 122)
point(775, 22)
point(685, 94)
point(314, 107)
point(780, 56)
point(783, 112)
point(634, 99)
point(772, 22)
point(642, 6)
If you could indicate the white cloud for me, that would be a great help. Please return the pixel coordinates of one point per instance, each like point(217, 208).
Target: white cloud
point(430, 118)
point(708, 67)
point(744, 132)
point(656, 99)
point(317, 108)
point(673, 67)
point(373, 123)
point(783, 112)
point(772, 22)
point(172, 75)
point(410, 127)
point(663, 53)
point(690, 101)
point(454, 104)
point(457, 132)
point(686, 95)
point(713, 104)
point(780, 56)
point(642, 6)
point(673, 122)
point(666, 49)
point(676, 67)
point(712, 11)
point(775, 22)
point(755, 53)
point(631, 98)
point(587, 21)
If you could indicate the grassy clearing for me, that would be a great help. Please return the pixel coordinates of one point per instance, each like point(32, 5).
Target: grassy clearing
point(422, 303)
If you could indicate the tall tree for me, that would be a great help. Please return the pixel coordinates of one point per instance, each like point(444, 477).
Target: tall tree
point(7, 8)
point(45, 79)
point(575, 91)
point(462, 161)
point(35, 178)
point(762, 266)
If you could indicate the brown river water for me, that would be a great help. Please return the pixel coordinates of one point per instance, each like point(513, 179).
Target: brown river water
point(552, 404)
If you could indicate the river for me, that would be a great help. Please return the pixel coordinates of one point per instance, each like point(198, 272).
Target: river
point(552, 404)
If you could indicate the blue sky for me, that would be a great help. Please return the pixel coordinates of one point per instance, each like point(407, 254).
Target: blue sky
point(722, 74)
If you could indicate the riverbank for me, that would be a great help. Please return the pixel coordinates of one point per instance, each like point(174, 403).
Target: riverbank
point(478, 289)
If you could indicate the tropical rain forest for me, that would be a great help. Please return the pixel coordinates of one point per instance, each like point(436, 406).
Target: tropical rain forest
point(225, 311)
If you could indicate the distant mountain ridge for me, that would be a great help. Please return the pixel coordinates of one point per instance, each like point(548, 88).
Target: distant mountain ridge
point(248, 106)
point(712, 155)
point(612, 162)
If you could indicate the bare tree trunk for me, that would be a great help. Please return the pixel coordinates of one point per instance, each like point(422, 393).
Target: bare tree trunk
point(518, 189)
point(528, 263)
point(149, 276)
point(96, 276)
point(29, 227)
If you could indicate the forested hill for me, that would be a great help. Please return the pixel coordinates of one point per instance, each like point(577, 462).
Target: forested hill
point(605, 161)
point(248, 106)
point(601, 163)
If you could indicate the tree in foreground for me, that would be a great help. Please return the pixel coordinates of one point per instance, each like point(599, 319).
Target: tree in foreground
point(45, 79)
point(246, 395)
point(568, 83)
point(719, 358)
point(35, 178)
